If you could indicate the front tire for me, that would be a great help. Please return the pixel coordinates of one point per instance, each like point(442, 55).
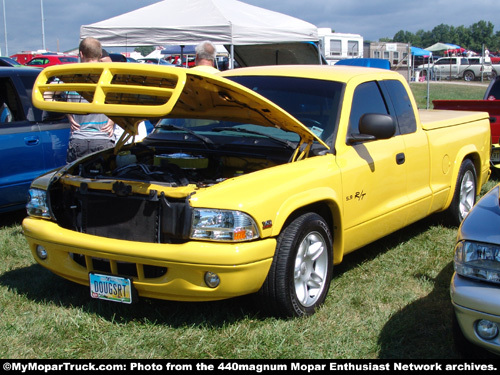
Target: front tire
point(301, 272)
point(464, 197)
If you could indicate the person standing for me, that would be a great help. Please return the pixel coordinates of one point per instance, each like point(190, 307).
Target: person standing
point(94, 131)
point(205, 57)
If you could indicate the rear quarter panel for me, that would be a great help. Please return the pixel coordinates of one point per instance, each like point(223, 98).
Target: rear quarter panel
point(454, 136)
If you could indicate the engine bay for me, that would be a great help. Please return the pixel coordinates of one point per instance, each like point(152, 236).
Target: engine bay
point(174, 168)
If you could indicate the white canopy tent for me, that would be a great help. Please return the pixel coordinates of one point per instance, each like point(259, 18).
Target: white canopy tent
point(177, 22)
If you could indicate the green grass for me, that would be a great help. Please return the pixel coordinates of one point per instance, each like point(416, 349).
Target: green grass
point(447, 90)
point(387, 300)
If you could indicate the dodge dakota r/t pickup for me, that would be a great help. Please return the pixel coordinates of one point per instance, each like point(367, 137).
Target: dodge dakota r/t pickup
point(254, 180)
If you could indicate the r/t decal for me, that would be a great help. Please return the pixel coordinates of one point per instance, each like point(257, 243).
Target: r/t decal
point(359, 196)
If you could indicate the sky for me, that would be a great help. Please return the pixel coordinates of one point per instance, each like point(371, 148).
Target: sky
point(22, 28)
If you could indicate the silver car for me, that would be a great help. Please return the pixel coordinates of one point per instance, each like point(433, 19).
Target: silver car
point(475, 286)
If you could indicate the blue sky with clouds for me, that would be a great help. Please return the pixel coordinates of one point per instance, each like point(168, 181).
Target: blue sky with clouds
point(373, 19)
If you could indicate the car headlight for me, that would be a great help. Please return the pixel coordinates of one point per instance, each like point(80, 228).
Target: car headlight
point(222, 225)
point(37, 205)
point(478, 260)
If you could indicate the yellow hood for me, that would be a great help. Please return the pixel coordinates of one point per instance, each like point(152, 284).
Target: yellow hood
point(129, 93)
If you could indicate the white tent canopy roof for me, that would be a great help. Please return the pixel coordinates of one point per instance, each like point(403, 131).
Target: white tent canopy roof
point(176, 22)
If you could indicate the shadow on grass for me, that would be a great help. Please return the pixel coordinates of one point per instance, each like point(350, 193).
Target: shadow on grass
point(9, 219)
point(44, 287)
point(381, 246)
point(422, 329)
point(425, 329)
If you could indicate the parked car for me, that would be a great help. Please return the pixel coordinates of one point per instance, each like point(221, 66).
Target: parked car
point(475, 286)
point(23, 57)
point(153, 60)
point(117, 57)
point(7, 61)
point(43, 61)
point(31, 142)
point(256, 180)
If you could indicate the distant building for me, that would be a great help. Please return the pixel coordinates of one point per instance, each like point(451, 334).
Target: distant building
point(396, 53)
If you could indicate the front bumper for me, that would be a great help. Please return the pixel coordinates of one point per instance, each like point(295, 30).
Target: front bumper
point(473, 301)
point(163, 271)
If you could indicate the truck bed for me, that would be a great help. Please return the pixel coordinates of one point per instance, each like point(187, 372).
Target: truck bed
point(434, 119)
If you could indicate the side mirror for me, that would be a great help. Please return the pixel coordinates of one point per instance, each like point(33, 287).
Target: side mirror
point(374, 126)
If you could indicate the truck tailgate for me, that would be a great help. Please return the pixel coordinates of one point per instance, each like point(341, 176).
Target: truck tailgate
point(435, 119)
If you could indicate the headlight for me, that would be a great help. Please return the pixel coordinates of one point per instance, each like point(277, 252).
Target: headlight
point(478, 260)
point(223, 225)
point(37, 205)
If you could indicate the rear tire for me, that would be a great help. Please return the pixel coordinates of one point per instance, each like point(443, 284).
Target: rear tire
point(464, 197)
point(301, 272)
point(469, 76)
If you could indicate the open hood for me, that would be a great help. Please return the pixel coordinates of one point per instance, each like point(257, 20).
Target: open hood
point(129, 93)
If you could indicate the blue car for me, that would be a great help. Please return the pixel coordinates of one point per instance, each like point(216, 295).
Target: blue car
point(32, 142)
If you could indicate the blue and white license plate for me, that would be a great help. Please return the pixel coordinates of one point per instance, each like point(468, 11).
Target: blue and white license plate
point(110, 288)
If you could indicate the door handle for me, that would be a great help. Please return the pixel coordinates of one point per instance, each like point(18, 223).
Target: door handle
point(400, 158)
point(31, 141)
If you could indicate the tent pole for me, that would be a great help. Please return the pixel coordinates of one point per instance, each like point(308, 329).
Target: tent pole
point(231, 60)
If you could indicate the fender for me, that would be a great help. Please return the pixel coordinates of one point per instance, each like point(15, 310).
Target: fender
point(323, 195)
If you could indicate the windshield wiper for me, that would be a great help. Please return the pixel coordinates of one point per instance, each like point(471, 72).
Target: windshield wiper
point(284, 142)
point(207, 141)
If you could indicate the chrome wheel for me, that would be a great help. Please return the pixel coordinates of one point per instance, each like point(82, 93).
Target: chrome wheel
point(469, 76)
point(301, 272)
point(464, 196)
point(311, 269)
point(467, 193)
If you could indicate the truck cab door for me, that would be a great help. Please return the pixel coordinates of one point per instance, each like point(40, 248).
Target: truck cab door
point(374, 174)
point(445, 67)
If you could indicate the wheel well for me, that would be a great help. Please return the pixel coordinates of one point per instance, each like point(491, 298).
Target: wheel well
point(330, 212)
point(477, 165)
point(321, 208)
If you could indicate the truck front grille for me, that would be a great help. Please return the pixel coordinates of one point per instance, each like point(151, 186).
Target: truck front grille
point(109, 266)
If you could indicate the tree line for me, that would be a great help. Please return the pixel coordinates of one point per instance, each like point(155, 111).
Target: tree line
point(471, 38)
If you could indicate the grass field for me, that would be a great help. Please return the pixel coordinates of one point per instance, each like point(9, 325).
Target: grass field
point(388, 300)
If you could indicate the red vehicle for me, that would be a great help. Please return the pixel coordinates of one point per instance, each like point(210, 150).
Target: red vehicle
point(23, 57)
point(42, 61)
point(490, 104)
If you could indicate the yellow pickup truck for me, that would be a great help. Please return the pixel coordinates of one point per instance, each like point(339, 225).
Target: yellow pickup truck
point(254, 181)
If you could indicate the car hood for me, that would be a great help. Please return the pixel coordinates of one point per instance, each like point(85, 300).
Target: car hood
point(129, 93)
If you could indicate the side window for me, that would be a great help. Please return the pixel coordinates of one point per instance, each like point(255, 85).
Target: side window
point(367, 99)
point(402, 106)
point(10, 107)
point(444, 62)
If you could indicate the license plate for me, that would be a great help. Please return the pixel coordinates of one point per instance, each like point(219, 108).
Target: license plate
point(110, 288)
point(495, 155)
